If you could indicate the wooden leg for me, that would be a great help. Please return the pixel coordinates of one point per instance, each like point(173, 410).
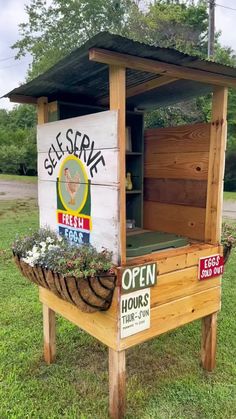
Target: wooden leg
point(49, 334)
point(116, 384)
point(208, 350)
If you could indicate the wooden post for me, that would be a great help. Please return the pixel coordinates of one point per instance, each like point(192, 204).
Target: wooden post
point(49, 334)
point(116, 384)
point(117, 102)
point(49, 322)
point(42, 110)
point(208, 350)
point(216, 166)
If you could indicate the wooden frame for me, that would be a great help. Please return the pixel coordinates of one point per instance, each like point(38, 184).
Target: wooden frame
point(178, 297)
point(157, 67)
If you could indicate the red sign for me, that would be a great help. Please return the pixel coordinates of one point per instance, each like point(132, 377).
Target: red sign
point(210, 266)
point(74, 221)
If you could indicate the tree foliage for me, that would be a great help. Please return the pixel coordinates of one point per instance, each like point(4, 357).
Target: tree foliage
point(18, 152)
point(53, 30)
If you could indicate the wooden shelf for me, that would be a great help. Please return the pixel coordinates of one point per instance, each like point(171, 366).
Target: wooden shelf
point(134, 191)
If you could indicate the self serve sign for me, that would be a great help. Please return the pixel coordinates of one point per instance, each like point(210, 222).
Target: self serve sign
point(210, 267)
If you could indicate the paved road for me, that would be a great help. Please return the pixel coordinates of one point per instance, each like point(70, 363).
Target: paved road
point(21, 190)
point(229, 209)
point(17, 190)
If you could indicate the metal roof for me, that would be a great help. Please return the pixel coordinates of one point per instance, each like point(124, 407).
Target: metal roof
point(76, 78)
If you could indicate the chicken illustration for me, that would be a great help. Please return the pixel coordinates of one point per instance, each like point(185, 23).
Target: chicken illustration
point(72, 185)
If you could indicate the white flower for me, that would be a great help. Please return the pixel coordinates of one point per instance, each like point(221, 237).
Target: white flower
point(29, 260)
point(43, 245)
point(35, 249)
point(53, 246)
point(49, 240)
point(60, 239)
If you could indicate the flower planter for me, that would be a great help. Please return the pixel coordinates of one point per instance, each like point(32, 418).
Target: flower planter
point(89, 295)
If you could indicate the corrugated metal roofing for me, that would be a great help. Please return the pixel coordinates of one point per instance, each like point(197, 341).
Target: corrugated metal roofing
point(76, 78)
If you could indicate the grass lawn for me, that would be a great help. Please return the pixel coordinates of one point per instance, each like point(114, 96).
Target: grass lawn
point(164, 379)
point(230, 196)
point(26, 179)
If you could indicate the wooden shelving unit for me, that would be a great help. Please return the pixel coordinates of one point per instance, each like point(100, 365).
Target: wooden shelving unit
point(134, 165)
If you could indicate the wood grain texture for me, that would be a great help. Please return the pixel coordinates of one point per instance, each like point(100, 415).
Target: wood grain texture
point(49, 334)
point(175, 259)
point(178, 284)
point(187, 138)
point(100, 127)
point(101, 325)
point(208, 348)
point(117, 384)
point(216, 166)
point(53, 111)
point(143, 87)
point(42, 110)
point(176, 191)
point(106, 175)
point(178, 219)
point(117, 79)
point(175, 314)
point(179, 165)
point(24, 99)
point(157, 67)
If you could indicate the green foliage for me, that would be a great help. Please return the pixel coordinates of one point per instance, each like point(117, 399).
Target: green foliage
point(164, 380)
point(44, 248)
point(78, 21)
point(171, 24)
point(18, 154)
point(228, 234)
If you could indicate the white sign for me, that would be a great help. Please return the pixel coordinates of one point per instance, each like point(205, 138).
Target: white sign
point(138, 277)
point(134, 312)
point(78, 179)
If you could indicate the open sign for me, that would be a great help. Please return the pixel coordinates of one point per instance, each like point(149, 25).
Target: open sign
point(210, 267)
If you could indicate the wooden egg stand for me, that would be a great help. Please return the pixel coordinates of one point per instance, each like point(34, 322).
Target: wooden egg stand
point(178, 297)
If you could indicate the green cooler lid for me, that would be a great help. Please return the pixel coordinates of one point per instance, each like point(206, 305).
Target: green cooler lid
point(149, 242)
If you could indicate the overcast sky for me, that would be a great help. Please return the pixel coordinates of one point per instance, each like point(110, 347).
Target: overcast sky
point(13, 73)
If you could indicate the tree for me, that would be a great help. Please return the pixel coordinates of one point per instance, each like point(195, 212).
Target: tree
point(53, 31)
point(18, 152)
point(171, 24)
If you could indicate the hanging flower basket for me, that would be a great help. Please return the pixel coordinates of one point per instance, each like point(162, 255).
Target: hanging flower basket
point(90, 293)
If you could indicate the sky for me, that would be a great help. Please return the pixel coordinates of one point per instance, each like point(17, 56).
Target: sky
point(13, 72)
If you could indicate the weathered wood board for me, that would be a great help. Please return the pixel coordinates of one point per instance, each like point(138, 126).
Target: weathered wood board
point(184, 220)
point(176, 164)
point(189, 138)
point(176, 191)
point(99, 127)
point(176, 313)
point(79, 181)
point(101, 325)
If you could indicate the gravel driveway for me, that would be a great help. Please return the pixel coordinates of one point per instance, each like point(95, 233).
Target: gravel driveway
point(17, 190)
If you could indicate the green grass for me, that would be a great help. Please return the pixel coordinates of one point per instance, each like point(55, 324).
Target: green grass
point(230, 196)
point(27, 179)
point(164, 379)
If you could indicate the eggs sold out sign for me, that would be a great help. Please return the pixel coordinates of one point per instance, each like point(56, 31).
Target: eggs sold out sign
point(210, 267)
